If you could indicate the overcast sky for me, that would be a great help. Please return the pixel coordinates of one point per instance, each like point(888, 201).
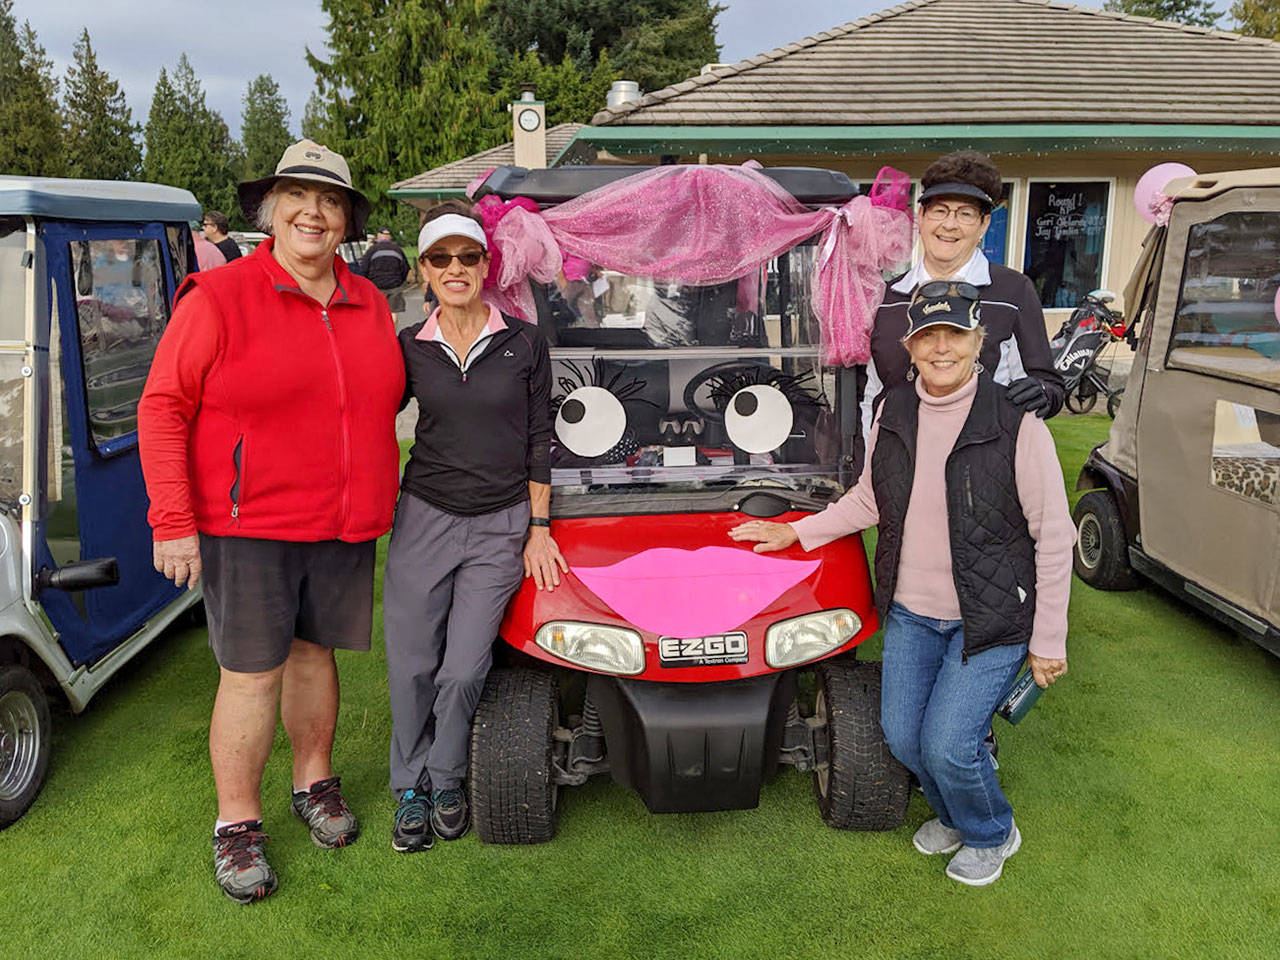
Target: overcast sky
point(229, 42)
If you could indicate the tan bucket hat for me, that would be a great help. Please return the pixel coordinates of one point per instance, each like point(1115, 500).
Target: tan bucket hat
point(307, 160)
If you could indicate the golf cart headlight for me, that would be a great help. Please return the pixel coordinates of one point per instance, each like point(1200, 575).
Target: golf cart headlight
point(802, 639)
point(593, 645)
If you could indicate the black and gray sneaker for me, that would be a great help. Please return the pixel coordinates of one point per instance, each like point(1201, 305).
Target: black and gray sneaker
point(322, 809)
point(450, 815)
point(411, 831)
point(240, 863)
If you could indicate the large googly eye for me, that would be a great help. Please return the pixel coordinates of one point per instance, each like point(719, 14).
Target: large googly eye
point(590, 421)
point(758, 418)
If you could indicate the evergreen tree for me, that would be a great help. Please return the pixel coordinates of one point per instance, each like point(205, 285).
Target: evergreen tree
point(315, 121)
point(264, 127)
point(101, 137)
point(30, 126)
point(418, 97)
point(655, 42)
point(188, 144)
point(570, 95)
point(1257, 18)
point(1196, 13)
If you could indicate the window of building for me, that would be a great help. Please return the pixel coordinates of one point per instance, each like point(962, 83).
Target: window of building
point(1066, 247)
point(995, 244)
point(1226, 322)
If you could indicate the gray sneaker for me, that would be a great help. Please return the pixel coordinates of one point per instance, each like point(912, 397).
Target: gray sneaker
point(323, 810)
point(934, 837)
point(240, 863)
point(979, 866)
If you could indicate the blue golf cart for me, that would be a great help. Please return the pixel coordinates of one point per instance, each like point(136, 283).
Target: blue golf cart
point(88, 270)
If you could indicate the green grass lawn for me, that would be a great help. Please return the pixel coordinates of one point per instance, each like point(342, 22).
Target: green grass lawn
point(1146, 786)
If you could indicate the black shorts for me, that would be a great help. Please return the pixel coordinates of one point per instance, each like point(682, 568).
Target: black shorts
point(260, 594)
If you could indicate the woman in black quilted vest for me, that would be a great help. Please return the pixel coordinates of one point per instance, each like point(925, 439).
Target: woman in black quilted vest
point(973, 567)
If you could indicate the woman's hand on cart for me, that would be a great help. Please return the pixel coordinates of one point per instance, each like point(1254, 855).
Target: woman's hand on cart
point(767, 535)
point(542, 558)
point(178, 560)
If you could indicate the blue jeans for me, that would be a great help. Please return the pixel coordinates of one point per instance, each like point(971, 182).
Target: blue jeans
point(935, 708)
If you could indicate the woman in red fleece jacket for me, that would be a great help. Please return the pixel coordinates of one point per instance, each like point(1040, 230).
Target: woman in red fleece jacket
point(973, 570)
point(267, 432)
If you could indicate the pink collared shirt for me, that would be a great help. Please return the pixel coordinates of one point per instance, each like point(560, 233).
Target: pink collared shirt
point(431, 331)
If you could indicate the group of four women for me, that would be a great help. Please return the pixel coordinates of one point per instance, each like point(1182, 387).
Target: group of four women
point(267, 439)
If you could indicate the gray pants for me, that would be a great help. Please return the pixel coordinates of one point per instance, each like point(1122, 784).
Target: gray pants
point(448, 580)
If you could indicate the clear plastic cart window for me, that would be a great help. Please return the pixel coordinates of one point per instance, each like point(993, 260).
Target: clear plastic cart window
point(121, 310)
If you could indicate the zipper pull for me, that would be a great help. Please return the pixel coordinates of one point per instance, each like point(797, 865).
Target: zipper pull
point(464, 376)
point(324, 315)
point(235, 514)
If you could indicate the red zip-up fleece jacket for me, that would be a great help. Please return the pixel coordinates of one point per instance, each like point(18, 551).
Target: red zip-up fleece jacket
point(269, 415)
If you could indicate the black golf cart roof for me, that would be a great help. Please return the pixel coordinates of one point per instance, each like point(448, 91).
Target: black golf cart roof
point(68, 199)
point(809, 185)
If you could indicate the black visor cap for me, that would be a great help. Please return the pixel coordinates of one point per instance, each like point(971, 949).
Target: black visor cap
point(967, 190)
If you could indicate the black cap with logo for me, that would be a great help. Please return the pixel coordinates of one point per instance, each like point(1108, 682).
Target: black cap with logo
point(952, 302)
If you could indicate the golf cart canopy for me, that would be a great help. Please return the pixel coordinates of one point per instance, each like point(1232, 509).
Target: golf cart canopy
point(95, 200)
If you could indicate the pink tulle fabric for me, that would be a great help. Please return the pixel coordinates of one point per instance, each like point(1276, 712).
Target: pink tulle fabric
point(702, 225)
point(1161, 208)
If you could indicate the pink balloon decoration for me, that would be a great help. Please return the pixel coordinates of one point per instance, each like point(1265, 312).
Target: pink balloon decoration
point(1277, 306)
point(1150, 188)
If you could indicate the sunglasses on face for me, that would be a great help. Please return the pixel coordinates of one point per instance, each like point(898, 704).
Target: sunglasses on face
point(948, 288)
point(442, 260)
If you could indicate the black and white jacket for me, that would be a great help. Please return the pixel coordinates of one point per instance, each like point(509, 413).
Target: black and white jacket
point(1016, 346)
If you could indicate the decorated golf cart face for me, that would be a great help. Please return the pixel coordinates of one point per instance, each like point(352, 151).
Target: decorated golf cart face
point(87, 274)
point(1195, 449)
point(682, 406)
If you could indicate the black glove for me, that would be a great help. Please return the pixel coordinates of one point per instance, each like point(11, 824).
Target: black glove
point(1028, 393)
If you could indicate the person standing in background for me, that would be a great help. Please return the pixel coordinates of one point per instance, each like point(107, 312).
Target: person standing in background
point(215, 231)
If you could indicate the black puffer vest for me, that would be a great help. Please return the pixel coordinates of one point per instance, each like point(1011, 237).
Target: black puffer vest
point(993, 558)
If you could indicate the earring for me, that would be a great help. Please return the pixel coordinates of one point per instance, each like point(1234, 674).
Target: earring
point(911, 373)
point(978, 367)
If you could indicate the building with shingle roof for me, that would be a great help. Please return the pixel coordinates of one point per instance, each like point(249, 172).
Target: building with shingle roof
point(1073, 103)
point(451, 179)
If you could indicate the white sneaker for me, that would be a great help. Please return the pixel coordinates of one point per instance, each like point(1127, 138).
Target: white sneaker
point(979, 866)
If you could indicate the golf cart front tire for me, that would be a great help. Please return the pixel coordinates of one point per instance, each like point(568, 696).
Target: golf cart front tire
point(862, 786)
point(513, 790)
point(1101, 555)
point(25, 734)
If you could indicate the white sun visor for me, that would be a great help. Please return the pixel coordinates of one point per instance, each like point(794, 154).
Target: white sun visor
point(450, 225)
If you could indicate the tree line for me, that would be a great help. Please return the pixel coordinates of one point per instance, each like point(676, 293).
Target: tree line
point(402, 86)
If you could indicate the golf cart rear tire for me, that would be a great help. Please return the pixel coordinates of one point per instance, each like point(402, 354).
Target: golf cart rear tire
point(1101, 554)
point(26, 731)
point(513, 790)
point(866, 788)
point(1113, 405)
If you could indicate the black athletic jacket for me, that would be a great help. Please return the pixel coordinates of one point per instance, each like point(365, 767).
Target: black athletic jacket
point(482, 435)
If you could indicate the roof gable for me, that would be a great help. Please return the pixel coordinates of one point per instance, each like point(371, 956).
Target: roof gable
point(983, 61)
point(453, 177)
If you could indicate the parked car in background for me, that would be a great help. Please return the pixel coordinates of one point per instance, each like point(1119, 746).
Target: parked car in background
point(1186, 491)
point(88, 271)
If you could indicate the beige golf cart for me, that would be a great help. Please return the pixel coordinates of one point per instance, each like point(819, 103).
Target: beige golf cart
point(1186, 491)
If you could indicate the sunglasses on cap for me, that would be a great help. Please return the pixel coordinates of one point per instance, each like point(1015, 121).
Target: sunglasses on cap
point(948, 288)
point(442, 260)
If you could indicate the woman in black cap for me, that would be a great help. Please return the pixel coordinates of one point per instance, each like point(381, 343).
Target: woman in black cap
point(959, 192)
point(973, 569)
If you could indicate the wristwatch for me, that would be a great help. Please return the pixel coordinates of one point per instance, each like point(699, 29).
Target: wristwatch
point(539, 522)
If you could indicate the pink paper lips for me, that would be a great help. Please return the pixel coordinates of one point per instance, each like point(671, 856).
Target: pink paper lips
point(693, 593)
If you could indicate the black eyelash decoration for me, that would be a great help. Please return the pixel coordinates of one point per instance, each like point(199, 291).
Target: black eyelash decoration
point(595, 375)
point(792, 386)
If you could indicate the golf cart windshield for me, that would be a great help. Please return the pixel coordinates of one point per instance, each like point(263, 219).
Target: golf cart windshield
point(658, 384)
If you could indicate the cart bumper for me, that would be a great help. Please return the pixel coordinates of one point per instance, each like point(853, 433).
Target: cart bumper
point(694, 747)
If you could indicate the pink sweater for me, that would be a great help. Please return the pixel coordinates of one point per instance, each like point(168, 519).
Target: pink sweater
point(925, 585)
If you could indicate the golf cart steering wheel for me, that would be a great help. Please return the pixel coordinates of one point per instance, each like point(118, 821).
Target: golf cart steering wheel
point(716, 371)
